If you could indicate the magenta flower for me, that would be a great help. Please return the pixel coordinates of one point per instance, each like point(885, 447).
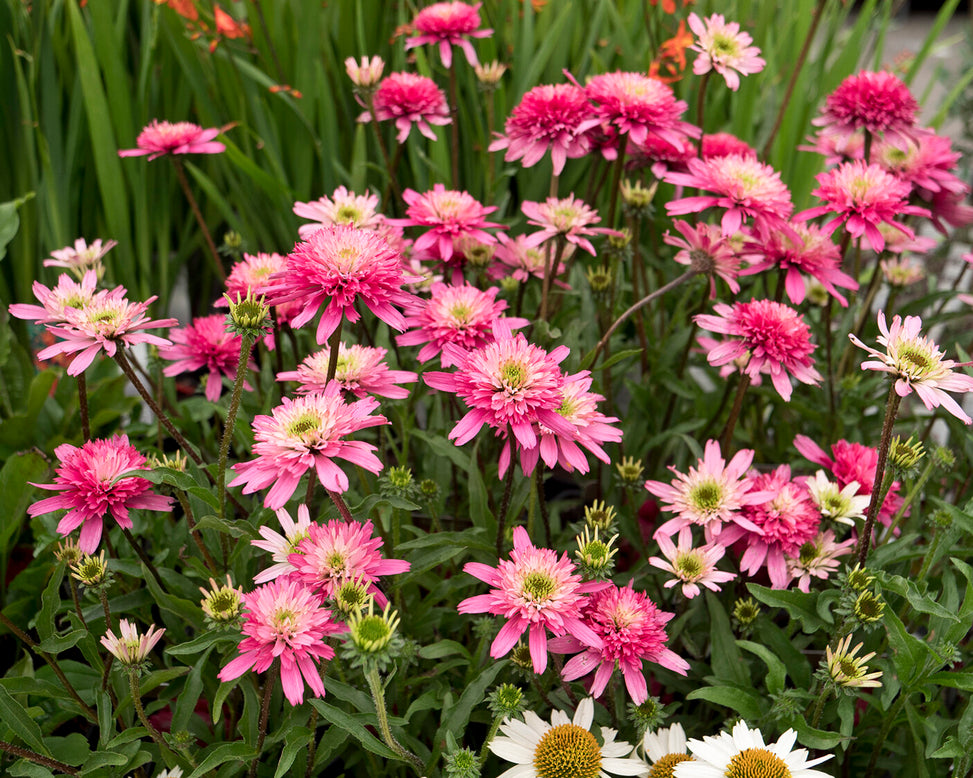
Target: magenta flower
point(723, 144)
point(68, 293)
point(917, 365)
point(92, 482)
point(304, 433)
point(632, 631)
point(80, 258)
point(335, 267)
point(287, 621)
point(724, 48)
point(690, 566)
point(361, 370)
point(205, 343)
point(536, 592)
point(448, 24)
point(554, 117)
point(705, 249)
point(776, 337)
point(340, 551)
point(861, 197)
point(282, 546)
point(567, 217)
point(160, 138)
point(878, 102)
point(744, 186)
point(517, 259)
point(462, 315)
point(817, 558)
point(928, 164)
point(129, 647)
point(409, 99)
point(710, 495)
point(343, 207)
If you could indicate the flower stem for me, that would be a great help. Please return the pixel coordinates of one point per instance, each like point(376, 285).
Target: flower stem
point(919, 485)
point(492, 733)
point(194, 531)
point(819, 705)
point(700, 106)
point(133, 685)
point(546, 282)
point(140, 552)
point(887, 721)
point(542, 502)
point(334, 347)
point(246, 344)
point(312, 746)
point(33, 756)
point(505, 502)
point(389, 167)
point(891, 409)
point(454, 126)
point(264, 715)
point(378, 695)
point(340, 504)
point(616, 182)
point(727, 434)
point(83, 406)
point(187, 190)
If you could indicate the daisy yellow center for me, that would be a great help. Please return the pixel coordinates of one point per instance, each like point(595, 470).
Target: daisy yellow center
point(302, 425)
point(348, 214)
point(513, 375)
point(724, 46)
point(538, 586)
point(706, 496)
point(757, 763)
point(567, 408)
point(689, 566)
point(460, 313)
point(294, 542)
point(346, 363)
point(808, 553)
point(916, 360)
point(346, 259)
point(75, 301)
point(104, 316)
point(666, 766)
point(567, 751)
point(848, 667)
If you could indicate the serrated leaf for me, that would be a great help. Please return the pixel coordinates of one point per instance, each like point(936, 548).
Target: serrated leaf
point(916, 599)
point(21, 724)
point(224, 752)
point(295, 739)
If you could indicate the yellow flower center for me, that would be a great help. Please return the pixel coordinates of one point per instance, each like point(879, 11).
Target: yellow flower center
point(725, 46)
point(689, 566)
point(538, 587)
point(915, 357)
point(706, 496)
point(567, 751)
point(666, 766)
point(513, 375)
point(348, 214)
point(460, 313)
point(757, 763)
point(302, 425)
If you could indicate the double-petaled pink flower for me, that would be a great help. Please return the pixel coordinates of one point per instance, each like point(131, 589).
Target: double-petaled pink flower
point(80, 258)
point(724, 48)
point(447, 24)
point(160, 138)
point(360, 370)
point(206, 344)
point(343, 207)
point(568, 217)
point(706, 250)
point(407, 99)
point(877, 102)
point(67, 293)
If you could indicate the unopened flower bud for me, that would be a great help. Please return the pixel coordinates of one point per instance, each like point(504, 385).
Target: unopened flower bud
point(365, 74)
point(630, 470)
point(372, 637)
point(746, 611)
point(647, 716)
point(905, 455)
point(595, 556)
point(350, 596)
point(869, 607)
point(222, 605)
point(398, 482)
point(248, 316)
point(489, 75)
point(506, 701)
point(945, 459)
point(858, 578)
point(176, 461)
point(637, 199)
point(91, 571)
point(599, 279)
point(130, 648)
point(68, 552)
point(461, 763)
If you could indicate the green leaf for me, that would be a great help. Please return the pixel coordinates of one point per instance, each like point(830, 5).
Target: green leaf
point(16, 493)
point(224, 752)
point(776, 672)
point(98, 760)
point(203, 642)
point(295, 739)
point(50, 602)
point(354, 726)
point(227, 527)
point(189, 695)
point(800, 605)
point(616, 358)
point(55, 644)
point(443, 648)
point(909, 653)
point(10, 221)
point(815, 738)
point(919, 601)
point(12, 714)
point(954, 680)
point(744, 701)
point(72, 750)
point(457, 716)
point(725, 658)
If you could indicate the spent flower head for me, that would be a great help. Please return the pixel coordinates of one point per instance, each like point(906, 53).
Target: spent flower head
point(847, 670)
point(92, 571)
point(222, 604)
point(129, 647)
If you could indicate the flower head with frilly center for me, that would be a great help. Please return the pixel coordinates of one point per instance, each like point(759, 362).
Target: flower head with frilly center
point(205, 344)
point(407, 99)
point(518, 259)
point(536, 592)
point(569, 218)
point(287, 621)
point(775, 336)
point(878, 102)
point(343, 207)
point(129, 647)
point(304, 433)
point(706, 250)
point(929, 164)
point(360, 370)
point(67, 293)
point(160, 138)
point(92, 482)
point(447, 24)
point(724, 48)
point(917, 365)
point(689, 565)
point(80, 258)
point(817, 558)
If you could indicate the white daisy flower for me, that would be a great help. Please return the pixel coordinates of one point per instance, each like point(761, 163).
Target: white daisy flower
point(843, 505)
point(563, 748)
point(665, 748)
point(744, 755)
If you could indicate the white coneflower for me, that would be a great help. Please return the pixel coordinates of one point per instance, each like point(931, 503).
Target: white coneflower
point(665, 748)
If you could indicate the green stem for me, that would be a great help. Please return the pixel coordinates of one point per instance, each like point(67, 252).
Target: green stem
point(187, 190)
point(492, 733)
point(378, 695)
point(140, 552)
point(83, 406)
point(700, 106)
point(913, 492)
point(454, 126)
point(264, 714)
point(616, 183)
point(891, 409)
point(507, 491)
point(334, 347)
point(246, 344)
point(194, 531)
point(930, 556)
point(542, 502)
point(727, 435)
point(313, 745)
point(548, 280)
point(339, 503)
point(133, 685)
point(819, 706)
point(389, 167)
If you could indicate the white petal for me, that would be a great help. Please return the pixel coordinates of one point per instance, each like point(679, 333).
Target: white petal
point(585, 713)
point(512, 751)
point(624, 766)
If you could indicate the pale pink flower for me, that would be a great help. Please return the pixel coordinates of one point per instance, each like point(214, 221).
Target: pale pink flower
point(704, 248)
point(366, 72)
point(901, 271)
point(336, 267)
point(554, 117)
point(463, 315)
point(159, 138)
point(744, 186)
point(337, 552)
point(92, 482)
point(343, 207)
point(517, 259)
point(361, 370)
point(568, 217)
point(536, 592)
point(282, 546)
point(690, 566)
point(408, 98)
point(304, 433)
point(951, 208)
point(68, 293)
point(129, 647)
point(808, 251)
point(80, 258)
point(205, 343)
point(878, 102)
point(861, 197)
point(447, 24)
point(917, 365)
point(897, 242)
point(840, 504)
point(817, 558)
point(108, 322)
point(710, 495)
point(724, 48)
point(776, 336)
point(286, 621)
point(836, 146)
point(723, 144)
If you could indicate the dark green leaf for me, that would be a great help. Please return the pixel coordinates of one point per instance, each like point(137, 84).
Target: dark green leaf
point(12, 714)
point(203, 642)
point(744, 701)
point(214, 756)
point(55, 644)
point(725, 658)
point(776, 672)
point(800, 605)
point(295, 739)
point(356, 727)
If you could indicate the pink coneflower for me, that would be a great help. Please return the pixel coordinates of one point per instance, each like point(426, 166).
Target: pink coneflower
point(129, 647)
point(776, 336)
point(724, 48)
point(917, 364)
point(91, 481)
point(449, 216)
point(632, 630)
point(287, 621)
point(705, 249)
point(517, 259)
point(744, 186)
point(68, 293)
point(463, 315)
point(809, 251)
point(786, 520)
point(343, 207)
point(817, 558)
point(901, 271)
point(536, 592)
point(710, 495)
point(108, 322)
point(282, 546)
point(338, 552)
point(409, 99)
point(635, 107)
point(567, 217)
point(361, 370)
point(878, 102)
point(723, 144)
point(661, 156)
point(690, 566)
point(364, 73)
point(554, 117)
point(508, 383)
point(836, 146)
point(447, 24)
point(205, 343)
point(951, 208)
point(927, 164)
point(161, 138)
point(861, 197)
point(80, 258)
point(304, 433)
point(335, 267)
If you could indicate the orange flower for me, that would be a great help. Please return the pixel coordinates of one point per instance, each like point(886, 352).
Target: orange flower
point(227, 26)
point(185, 8)
point(672, 55)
